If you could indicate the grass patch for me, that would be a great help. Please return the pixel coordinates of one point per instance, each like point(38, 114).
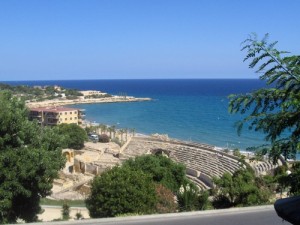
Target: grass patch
point(71, 203)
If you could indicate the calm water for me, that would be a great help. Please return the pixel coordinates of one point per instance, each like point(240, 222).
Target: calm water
point(185, 109)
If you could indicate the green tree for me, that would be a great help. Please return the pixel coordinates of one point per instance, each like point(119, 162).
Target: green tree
point(274, 110)
point(237, 153)
point(30, 157)
point(191, 198)
point(74, 135)
point(120, 191)
point(126, 133)
point(132, 130)
point(239, 189)
point(121, 132)
point(203, 200)
point(162, 170)
point(65, 211)
point(188, 197)
point(103, 128)
point(72, 93)
point(90, 129)
point(110, 130)
point(294, 180)
point(290, 181)
point(78, 216)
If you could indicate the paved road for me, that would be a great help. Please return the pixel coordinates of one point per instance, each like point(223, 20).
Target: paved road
point(262, 215)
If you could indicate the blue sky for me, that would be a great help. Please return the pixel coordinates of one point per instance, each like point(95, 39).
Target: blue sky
point(128, 39)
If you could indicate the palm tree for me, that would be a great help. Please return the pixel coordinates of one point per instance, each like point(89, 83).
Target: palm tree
point(109, 130)
point(103, 128)
point(132, 130)
point(97, 129)
point(100, 128)
point(121, 132)
point(113, 130)
point(126, 131)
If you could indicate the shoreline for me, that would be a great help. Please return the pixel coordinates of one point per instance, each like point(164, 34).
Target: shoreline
point(62, 102)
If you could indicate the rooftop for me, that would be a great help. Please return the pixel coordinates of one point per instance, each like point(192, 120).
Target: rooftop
point(53, 109)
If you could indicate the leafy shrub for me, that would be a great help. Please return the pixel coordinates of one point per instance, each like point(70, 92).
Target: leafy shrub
point(79, 216)
point(162, 170)
point(65, 211)
point(103, 138)
point(121, 191)
point(166, 202)
point(241, 188)
point(74, 135)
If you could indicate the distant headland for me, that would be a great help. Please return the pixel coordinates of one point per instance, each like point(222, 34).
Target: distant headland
point(46, 96)
point(60, 102)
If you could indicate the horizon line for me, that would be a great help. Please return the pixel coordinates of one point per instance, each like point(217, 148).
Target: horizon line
point(135, 79)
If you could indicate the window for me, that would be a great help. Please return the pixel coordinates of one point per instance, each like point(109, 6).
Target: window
point(65, 113)
point(71, 118)
point(66, 118)
point(70, 112)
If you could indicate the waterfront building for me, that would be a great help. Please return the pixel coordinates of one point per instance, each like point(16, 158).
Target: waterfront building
point(51, 116)
point(91, 93)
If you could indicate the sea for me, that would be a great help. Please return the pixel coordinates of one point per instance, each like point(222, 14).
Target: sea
point(186, 109)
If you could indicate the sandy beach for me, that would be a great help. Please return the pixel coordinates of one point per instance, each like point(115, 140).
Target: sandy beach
point(60, 102)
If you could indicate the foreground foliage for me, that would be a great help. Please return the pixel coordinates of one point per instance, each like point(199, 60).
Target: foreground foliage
point(289, 182)
point(74, 135)
point(30, 157)
point(240, 189)
point(274, 110)
point(162, 170)
point(120, 191)
point(143, 185)
point(190, 198)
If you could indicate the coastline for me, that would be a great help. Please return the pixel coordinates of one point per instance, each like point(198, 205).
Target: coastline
point(62, 102)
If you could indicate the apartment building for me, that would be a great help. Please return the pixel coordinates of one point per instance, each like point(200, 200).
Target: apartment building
point(50, 116)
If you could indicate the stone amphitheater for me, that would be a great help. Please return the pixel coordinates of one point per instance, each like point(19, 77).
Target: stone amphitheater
point(202, 161)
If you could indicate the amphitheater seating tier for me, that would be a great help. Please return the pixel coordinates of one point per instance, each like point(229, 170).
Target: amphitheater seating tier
point(199, 157)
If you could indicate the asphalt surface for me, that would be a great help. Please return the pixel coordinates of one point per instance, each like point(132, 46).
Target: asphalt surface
point(262, 215)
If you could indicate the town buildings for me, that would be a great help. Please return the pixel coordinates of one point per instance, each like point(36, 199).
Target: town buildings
point(50, 116)
point(90, 93)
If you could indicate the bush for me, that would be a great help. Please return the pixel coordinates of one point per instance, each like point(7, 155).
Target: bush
point(236, 152)
point(188, 197)
point(162, 170)
point(79, 216)
point(121, 191)
point(65, 211)
point(103, 138)
point(166, 202)
point(241, 188)
point(74, 135)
